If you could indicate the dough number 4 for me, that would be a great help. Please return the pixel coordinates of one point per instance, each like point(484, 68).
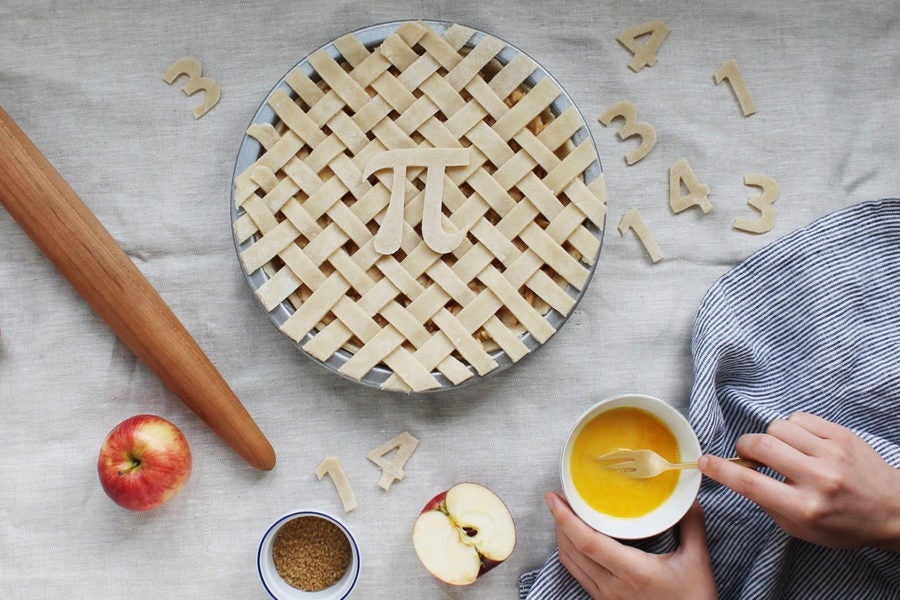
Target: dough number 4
point(190, 66)
point(681, 176)
point(644, 53)
point(391, 469)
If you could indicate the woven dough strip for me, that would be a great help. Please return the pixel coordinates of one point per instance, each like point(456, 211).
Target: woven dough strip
point(311, 217)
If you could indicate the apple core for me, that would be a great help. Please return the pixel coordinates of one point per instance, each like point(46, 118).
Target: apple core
point(463, 533)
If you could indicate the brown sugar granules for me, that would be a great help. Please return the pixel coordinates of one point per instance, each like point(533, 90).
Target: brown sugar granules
point(311, 553)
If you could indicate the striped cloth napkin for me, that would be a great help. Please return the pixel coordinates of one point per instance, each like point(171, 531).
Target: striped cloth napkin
point(809, 323)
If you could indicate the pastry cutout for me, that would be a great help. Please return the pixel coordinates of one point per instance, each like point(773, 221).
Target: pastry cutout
point(633, 220)
point(435, 161)
point(392, 470)
point(762, 203)
point(190, 66)
point(732, 73)
point(331, 466)
point(644, 52)
point(527, 204)
point(630, 128)
point(681, 176)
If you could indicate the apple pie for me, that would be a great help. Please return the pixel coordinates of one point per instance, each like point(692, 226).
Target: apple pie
point(418, 209)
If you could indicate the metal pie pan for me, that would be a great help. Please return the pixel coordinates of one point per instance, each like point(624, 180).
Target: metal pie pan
point(250, 150)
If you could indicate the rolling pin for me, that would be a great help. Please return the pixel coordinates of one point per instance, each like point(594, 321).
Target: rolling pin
point(78, 245)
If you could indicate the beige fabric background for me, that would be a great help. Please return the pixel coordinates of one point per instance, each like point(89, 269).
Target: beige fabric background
point(84, 80)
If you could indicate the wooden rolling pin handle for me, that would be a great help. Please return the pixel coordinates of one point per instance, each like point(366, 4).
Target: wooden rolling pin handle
point(75, 241)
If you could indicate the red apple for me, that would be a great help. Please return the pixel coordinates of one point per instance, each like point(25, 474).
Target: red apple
point(463, 533)
point(144, 462)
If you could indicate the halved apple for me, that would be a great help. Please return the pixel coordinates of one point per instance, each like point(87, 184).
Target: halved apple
point(463, 533)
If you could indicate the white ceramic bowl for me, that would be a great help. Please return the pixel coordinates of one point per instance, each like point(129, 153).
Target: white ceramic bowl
point(279, 589)
point(669, 512)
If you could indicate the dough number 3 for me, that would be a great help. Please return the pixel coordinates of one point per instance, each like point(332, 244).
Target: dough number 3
point(762, 203)
point(631, 127)
point(190, 66)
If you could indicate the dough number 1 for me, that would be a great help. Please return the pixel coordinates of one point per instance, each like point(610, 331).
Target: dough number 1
point(402, 447)
point(732, 73)
point(632, 220)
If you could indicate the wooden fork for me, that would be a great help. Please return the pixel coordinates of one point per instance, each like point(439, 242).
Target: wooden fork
point(642, 464)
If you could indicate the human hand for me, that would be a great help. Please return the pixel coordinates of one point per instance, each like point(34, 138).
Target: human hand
point(607, 568)
point(838, 491)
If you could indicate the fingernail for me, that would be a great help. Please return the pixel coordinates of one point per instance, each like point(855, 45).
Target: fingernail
point(703, 463)
point(552, 501)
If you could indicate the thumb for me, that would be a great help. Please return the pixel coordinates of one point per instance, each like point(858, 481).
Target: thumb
point(692, 530)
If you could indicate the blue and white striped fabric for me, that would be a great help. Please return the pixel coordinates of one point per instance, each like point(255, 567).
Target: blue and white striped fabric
point(810, 323)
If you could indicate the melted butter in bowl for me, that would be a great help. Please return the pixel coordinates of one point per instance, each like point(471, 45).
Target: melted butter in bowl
point(612, 502)
point(612, 492)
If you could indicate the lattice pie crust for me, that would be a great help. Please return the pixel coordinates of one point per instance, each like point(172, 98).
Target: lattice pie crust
point(525, 221)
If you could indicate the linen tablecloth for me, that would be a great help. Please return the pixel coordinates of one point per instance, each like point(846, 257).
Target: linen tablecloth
point(84, 80)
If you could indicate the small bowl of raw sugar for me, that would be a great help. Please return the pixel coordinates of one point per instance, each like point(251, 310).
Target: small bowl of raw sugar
point(612, 502)
point(308, 555)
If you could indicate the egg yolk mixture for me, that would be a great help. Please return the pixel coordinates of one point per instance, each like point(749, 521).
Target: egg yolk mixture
point(611, 492)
